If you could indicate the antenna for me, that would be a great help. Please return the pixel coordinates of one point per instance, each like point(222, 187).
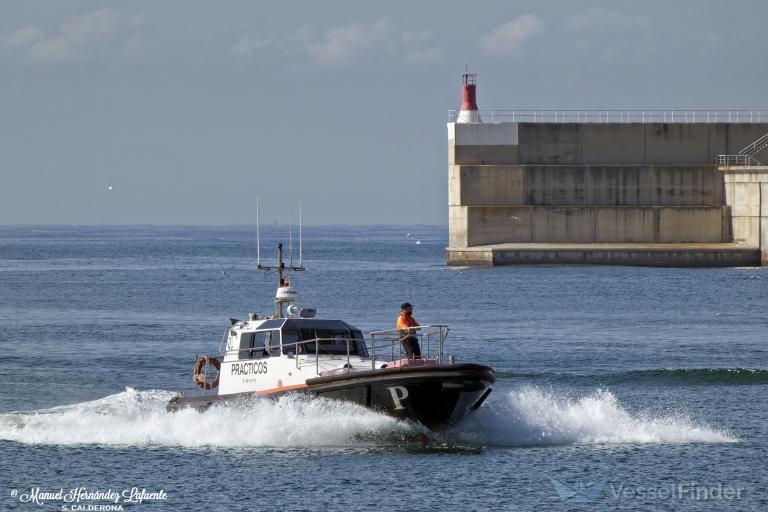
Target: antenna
point(301, 259)
point(258, 241)
point(280, 267)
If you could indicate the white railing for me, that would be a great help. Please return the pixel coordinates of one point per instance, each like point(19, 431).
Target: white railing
point(756, 146)
point(740, 160)
point(618, 116)
point(431, 342)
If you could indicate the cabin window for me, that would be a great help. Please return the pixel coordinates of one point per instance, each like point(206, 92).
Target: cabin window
point(246, 342)
point(255, 345)
point(272, 342)
point(252, 345)
point(290, 339)
point(361, 349)
point(334, 342)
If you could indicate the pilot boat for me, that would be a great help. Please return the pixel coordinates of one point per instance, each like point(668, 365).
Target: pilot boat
point(294, 351)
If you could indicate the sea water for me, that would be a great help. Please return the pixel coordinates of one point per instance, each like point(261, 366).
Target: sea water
point(618, 388)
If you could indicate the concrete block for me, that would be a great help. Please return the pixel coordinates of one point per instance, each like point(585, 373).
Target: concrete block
point(626, 225)
point(729, 193)
point(556, 185)
point(457, 226)
point(746, 175)
point(745, 199)
point(691, 224)
point(726, 228)
point(619, 185)
point(484, 134)
point(687, 186)
point(717, 141)
point(492, 185)
point(763, 199)
point(764, 242)
point(485, 155)
point(677, 143)
point(657, 255)
point(613, 143)
point(457, 257)
point(495, 225)
point(745, 231)
point(550, 143)
point(553, 224)
point(454, 185)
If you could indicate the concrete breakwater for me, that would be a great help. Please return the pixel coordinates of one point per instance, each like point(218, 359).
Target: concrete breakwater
point(605, 193)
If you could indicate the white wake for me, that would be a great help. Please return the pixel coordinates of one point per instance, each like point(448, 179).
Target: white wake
point(523, 417)
point(139, 418)
point(531, 416)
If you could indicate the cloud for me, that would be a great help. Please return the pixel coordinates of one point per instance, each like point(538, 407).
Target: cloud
point(95, 27)
point(339, 45)
point(248, 45)
point(24, 36)
point(343, 45)
point(424, 55)
point(51, 49)
point(416, 36)
point(507, 38)
point(601, 20)
point(89, 33)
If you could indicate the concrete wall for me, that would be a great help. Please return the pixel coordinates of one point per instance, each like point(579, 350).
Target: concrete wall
point(478, 142)
point(484, 225)
point(594, 185)
point(486, 185)
point(598, 143)
point(746, 191)
point(545, 143)
point(597, 183)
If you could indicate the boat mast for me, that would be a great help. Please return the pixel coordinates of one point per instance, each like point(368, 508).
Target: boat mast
point(284, 291)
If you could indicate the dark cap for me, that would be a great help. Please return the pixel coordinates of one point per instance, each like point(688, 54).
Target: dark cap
point(406, 305)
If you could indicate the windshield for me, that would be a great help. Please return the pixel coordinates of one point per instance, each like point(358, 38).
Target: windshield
point(333, 341)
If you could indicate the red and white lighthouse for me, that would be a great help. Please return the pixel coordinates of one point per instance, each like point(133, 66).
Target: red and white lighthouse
point(468, 112)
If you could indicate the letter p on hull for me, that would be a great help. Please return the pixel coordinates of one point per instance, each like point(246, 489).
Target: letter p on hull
point(398, 393)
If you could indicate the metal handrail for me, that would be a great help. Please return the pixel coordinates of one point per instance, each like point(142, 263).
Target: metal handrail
point(756, 146)
point(745, 160)
point(387, 338)
point(317, 351)
point(619, 116)
point(223, 342)
point(391, 338)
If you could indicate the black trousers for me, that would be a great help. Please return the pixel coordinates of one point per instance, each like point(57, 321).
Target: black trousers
point(411, 346)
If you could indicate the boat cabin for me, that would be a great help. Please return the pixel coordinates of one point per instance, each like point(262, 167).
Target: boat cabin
point(291, 336)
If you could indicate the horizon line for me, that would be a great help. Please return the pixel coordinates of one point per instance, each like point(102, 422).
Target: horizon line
point(25, 224)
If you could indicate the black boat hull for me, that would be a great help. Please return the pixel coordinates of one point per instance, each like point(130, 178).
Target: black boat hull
point(434, 396)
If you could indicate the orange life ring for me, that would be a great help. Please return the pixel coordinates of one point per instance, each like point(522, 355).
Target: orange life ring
point(200, 376)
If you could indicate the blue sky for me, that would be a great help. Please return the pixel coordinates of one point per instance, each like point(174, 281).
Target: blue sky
point(191, 109)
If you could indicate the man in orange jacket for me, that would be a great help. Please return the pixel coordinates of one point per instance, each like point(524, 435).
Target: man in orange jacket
point(406, 322)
